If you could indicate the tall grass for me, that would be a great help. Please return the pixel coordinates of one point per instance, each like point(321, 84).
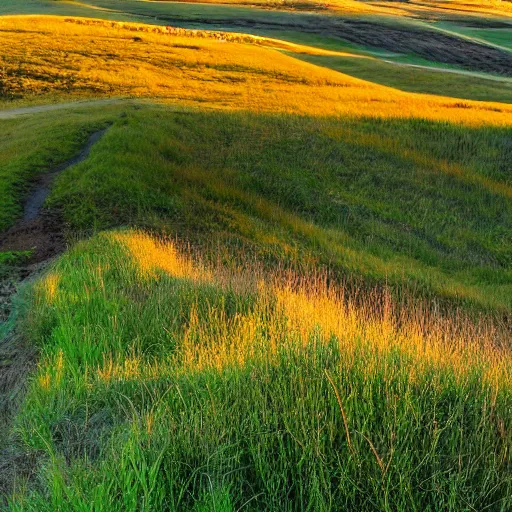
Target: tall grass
point(419, 205)
point(167, 383)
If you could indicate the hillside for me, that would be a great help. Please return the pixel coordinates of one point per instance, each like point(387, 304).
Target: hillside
point(254, 271)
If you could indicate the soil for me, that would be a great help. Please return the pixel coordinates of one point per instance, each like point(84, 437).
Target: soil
point(40, 231)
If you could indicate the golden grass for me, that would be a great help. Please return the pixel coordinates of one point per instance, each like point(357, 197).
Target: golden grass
point(434, 9)
point(152, 256)
point(76, 58)
point(412, 8)
point(478, 7)
point(346, 6)
point(292, 314)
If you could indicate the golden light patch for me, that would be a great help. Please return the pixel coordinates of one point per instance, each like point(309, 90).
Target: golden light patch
point(152, 255)
point(292, 316)
point(50, 285)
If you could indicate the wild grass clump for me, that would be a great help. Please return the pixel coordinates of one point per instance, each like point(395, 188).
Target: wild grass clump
point(169, 383)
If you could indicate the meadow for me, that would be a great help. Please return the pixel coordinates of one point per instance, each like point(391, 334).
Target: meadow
point(456, 38)
point(284, 288)
point(199, 68)
point(167, 383)
point(412, 79)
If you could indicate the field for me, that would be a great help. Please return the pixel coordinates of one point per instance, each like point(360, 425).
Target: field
point(266, 266)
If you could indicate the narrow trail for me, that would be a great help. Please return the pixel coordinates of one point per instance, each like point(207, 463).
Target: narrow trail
point(41, 231)
point(36, 109)
point(36, 199)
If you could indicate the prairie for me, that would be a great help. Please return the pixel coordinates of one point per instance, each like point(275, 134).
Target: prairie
point(281, 287)
point(84, 58)
point(198, 387)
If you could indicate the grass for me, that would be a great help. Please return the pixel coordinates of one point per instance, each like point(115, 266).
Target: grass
point(399, 9)
point(197, 387)
point(88, 58)
point(417, 80)
point(294, 27)
point(496, 36)
point(36, 145)
point(10, 257)
point(310, 192)
point(292, 289)
point(300, 190)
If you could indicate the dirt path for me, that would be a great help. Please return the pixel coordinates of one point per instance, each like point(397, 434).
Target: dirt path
point(41, 231)
point(36, 109)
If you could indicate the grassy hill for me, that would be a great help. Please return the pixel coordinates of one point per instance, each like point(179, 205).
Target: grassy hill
point(285, 288)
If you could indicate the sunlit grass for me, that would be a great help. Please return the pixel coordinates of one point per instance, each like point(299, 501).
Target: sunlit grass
point(391, 8)
point(417, 79)
point(328, 328)
point(184, 390)
point(101, 58)
point(418, 205)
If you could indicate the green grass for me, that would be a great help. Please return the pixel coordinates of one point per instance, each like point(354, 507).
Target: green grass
point(122, 419)
point(418, 80)
point(291, 189)
point(160, 388)
point(56, 8)
point(11, 257)
point(37, 144)
point(313, 192)
point(495, 36)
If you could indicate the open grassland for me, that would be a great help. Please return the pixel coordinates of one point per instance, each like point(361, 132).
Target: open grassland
point(283, 17)
point(441, 41)
point(414, 79)
point(412, 9)
point(293, 289)
point(166, 383)
point(421, 205)
point(396, 35)
point(48, 56)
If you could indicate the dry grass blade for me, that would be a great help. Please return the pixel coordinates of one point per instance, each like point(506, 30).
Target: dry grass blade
point(345, 421)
